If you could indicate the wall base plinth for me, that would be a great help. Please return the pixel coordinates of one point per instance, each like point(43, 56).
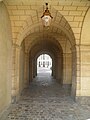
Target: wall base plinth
point(84, 100)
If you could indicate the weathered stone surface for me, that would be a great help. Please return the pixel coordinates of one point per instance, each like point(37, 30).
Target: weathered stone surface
point(69, 32)
point(47, 100)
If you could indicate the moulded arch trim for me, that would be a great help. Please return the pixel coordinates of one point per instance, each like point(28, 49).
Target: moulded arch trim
point(55, 42)
point(71, 38)
point(26, 30)
point(41, 50)
point(45, 52)
point(38, 39)
point(85, 36)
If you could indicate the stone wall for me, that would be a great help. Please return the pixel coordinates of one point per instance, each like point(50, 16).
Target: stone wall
point(85, 60)
point(22, 68)
point(5, 58)
point(70, 21)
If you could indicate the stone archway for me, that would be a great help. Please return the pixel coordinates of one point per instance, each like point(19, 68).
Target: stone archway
point(64, 57)
point(52, 60)
point(48, 46)
point(85, 61)
point(58, 32)
point(68, 34)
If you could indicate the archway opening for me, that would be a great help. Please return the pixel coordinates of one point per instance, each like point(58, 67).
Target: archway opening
point(44, 65)
point(54, 50)
point(59, 42)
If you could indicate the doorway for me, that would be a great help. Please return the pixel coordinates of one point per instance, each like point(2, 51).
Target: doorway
point(44, 65)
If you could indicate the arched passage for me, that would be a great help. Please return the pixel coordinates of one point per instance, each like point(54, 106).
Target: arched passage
point(71, 63)
point(44, 59)
point(43, 46)
point(85, 61)
point(52, 57)
point(44, 62)
point(59, 42)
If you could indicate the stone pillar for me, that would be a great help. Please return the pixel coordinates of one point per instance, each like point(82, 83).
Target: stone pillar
point(78, 71)
point(34, 62)
point(59, 69)
point(34, 68)
point(73, 91)
point(21, 68)
point(75, 71)
point(26, 81)
point(53, 68)
point(64, 67)
point(15, 73)
point(67, 70)
point(30, 69)
point(84, 96)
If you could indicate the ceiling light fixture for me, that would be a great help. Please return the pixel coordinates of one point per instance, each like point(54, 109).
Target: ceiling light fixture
point(46, 17)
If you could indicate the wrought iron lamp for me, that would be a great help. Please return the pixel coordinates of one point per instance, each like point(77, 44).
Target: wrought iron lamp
point(46, 17)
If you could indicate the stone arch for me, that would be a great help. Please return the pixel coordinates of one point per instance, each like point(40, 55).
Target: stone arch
point(37, 48)
point(42, 39)
point(62, 25)
point(58, 22)
point(85, 60)
point(85, 29)
point(62, 28)
point(52, 39)
point(48, 53)
point(21, 81)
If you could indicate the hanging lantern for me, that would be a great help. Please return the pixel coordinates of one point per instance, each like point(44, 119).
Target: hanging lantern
point(46, 17)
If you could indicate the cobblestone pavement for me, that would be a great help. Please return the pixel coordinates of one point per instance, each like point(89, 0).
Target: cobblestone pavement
point(47, 100)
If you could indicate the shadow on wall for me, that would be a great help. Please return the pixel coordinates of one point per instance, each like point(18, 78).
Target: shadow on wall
point(5, 58)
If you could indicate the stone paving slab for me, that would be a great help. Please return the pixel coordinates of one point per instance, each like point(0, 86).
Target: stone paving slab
point(47, 100)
